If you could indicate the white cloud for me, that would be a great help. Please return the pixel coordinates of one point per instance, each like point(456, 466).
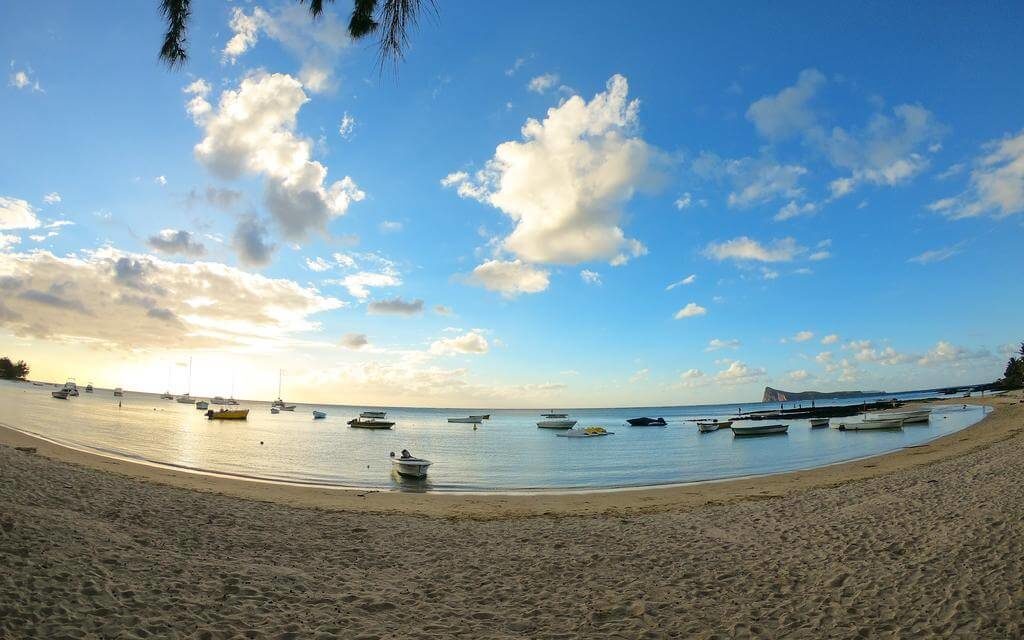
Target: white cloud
point(565, 184)
point(390, 226)
point(690, 279)
point(516, 66)
point(317, 44)
point(17, 214)
point(543, 83)
point(831, 338)
point(443, 310)
point(684, 201)
point(952, 170)
point(346, 126)
point(739, 373)
point(824, 357)
point(253, 132)
point(947, 353)
point(318, 264)
point(640, 376)
point(161, 180)
point(936, 255)
point(793, 209)
point(470, 343)
point(996, 184)
point(395, 307)
point(354, 341)
point(799, 375)
point(802, 336)
point(359, 284)
point(510, 278)
point(590, 277)
point(715, 344)
point(22, 79)
point(133, 302)
point(8, 240)
point(747, 249)
point(787, 112)
point(692, 309)
point(753, 180)
point(52, 198)
point(819, 255)
point(177, 242)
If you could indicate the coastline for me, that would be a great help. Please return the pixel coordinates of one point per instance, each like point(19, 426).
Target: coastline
point(1003, 422)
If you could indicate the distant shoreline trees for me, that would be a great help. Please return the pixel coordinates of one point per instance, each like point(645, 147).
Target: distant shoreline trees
point(1013, 377)
point(13, 370)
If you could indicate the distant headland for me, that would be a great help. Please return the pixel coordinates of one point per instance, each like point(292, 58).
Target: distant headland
point(778, 395)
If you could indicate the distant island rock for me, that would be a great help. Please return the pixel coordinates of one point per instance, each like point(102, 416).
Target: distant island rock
point(778, 395)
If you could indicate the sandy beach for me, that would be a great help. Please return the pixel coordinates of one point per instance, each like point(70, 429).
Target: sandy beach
point(923, 542)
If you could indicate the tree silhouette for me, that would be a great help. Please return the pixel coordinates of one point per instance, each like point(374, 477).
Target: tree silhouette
point(391, 19)
point(13, 370)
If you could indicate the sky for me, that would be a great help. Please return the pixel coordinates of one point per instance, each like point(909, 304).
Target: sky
point(681, 207)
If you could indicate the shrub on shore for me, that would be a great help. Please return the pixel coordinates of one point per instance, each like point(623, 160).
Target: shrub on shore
point(1013, 378)
point(13, 370)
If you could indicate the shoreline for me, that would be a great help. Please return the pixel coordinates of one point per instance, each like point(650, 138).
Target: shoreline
point(1002, 422)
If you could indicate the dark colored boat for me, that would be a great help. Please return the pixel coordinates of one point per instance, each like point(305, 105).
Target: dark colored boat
point(647, 422)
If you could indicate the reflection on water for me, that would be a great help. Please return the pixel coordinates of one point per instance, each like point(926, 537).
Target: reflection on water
point(505, 453)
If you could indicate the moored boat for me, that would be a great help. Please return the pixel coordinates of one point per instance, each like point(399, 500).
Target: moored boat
point(228, 414)
point(88, 388)
point(554, 415)
point(869, 425)
point(319, 415)
point(819, 422)
point(588, 432)
point(60, 394)
point(71, 388)
point(556, 424)
point(275, 410)
point(186, 399)
point(373, 414)
point(167, 396)
point(119, 392)
point(708, 427)
point(759, 429)
point(370, 423)
point(485, 416)
point(469, 420)
point(408, 466)
point(647, 422)
point(911, 416)
point(203, 405)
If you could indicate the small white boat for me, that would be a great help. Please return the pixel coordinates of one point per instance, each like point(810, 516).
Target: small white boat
point(819, 422)
point(708, 427)
point(319, 415)
point(469, 420)
point(203, 405)
point(119, 392)
point(720, 424)
point(759, 429)
point(407, 466)
point(186, 399)
point(167, 396)
point(556, 424)
point(218, 400)
point(275, 410)
point(379, 415)
point(869, 425)
point(60, 394)
point(589, 432)
point(910, 416)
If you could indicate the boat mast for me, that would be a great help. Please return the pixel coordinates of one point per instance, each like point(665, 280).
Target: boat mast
point(188, 391)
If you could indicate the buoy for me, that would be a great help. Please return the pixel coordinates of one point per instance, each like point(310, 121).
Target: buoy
point(261, 443)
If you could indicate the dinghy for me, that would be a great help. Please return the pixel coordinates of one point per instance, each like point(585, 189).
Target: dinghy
point(60, 394)
point(819, 422)
point(708, 427)
point(870, 425)
point(408, 466)
point(759, 429)
point(319, 415)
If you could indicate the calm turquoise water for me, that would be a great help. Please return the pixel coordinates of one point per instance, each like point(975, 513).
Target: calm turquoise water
point(507, 452)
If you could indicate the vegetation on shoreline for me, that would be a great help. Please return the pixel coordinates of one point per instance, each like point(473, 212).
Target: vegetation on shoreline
point(13, 370)
point(1013, 377)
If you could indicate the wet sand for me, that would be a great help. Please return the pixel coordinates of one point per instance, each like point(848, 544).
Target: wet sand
point(923, 542)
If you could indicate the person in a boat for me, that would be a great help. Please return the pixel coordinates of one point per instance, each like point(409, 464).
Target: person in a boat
point(406, 454)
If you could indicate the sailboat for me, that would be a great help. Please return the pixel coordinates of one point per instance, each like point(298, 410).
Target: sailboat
point(279, 403)
point(188, 399)
point(167, 395)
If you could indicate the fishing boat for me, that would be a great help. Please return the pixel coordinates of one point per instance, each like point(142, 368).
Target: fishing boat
point(88, 388)
point(370, 423)
point(275, 410)
point(722, 424)
point(408, 466)
point(202, 405)
point(469, 420)
point(60, 394)
point(71, 388)
point(870, 425)
point(228, 414)
point(759, 429)
point(708, 427)
point(218, 400)
point(909, 417)
point(819, 422)
point(119, 392)
point(589, 432)
point(554, 415)
point(485, 416)
point(647, 422)
point(379, 415)
point(319, 415)
point(556, 424)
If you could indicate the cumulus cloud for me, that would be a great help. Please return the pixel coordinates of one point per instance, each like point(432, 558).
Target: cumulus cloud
point(684, 201)
point(131, 301)
point(590, 277)
point(739, 373)
point(831, 338)
point(564, 185)
point(802, 336)
point(788, 112)
point(471, 342)
point(690, 279)
point(177, 241)
point(390, 226)
point(996, 185)
point(509, 277)
point(947, 353)
point(747, 249)
point(16, 213)
point(715, 344)
point(395, 307)
point(317, 45)
point(221, 198)
point(542, 83)
point(250, 240)
point(691, 310)
point(252, 131)
point(52, 198)
point(793, 209)
point(354, 340)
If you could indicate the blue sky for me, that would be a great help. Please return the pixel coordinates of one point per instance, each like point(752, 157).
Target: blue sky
point(500, 223)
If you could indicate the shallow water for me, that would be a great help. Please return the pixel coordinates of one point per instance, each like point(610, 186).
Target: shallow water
point(508, 452)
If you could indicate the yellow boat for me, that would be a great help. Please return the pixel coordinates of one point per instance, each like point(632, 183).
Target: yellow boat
point(228, 414)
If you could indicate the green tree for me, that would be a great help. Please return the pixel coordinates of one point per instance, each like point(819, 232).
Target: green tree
point(13, 370)
point(392, 20)
point(1013, 377)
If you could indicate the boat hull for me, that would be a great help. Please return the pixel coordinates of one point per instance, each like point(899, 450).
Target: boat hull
point(319, 415)
point(708, 427)
point(229, 414)
point(370, 424)
point(470, 420)
point(819, 422)
point(760, 430)
point(415, 468)
point(909, 417)
point(556, 424)
point(871, 425)
point(60, 395)
point(647, 422)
